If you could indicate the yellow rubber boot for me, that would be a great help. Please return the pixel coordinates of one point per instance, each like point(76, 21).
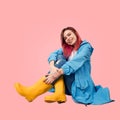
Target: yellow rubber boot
point(30, 93)
point(59, 94)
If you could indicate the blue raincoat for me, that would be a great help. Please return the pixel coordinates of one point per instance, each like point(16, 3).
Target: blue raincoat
point(83, 89)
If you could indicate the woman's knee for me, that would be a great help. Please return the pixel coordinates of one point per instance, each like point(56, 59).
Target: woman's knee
point(60, 61)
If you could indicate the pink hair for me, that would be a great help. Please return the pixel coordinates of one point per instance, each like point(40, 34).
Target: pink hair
point(67, 49)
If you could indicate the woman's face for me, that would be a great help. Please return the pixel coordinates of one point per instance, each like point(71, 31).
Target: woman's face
point(69, 37)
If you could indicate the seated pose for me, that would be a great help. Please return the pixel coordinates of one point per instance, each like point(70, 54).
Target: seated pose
point(70, 73)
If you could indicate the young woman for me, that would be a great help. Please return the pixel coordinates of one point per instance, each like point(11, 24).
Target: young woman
point(70, 73)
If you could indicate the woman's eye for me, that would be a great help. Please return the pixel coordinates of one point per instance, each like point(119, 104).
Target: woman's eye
point(69, 34)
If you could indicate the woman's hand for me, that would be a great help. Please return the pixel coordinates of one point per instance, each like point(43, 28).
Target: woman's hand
point(53, 69)
point(50, 78)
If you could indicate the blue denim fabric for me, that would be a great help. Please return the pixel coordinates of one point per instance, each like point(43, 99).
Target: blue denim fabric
point(60, 61)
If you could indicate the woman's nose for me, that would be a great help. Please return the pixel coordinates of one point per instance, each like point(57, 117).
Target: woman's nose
point(67, 38)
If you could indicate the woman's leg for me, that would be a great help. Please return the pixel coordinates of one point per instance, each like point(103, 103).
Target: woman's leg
point(59, 86)
point(40, 87)
point(59, 94)
point(30, 93)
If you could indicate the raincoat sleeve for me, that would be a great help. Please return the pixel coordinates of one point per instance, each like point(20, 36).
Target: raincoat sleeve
point(79, 59)
point(53, 55)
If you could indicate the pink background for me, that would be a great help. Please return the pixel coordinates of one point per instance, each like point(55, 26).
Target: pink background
point(30, 31)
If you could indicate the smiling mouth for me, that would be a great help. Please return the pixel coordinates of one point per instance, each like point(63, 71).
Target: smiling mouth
point(70, 43)
point(70, 40)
